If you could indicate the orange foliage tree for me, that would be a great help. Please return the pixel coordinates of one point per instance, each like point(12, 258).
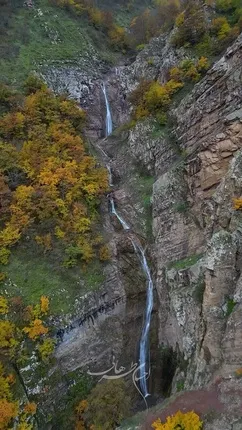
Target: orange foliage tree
point(80, 421)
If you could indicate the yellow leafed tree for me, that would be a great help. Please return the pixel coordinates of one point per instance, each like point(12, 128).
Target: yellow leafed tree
point(184, 421)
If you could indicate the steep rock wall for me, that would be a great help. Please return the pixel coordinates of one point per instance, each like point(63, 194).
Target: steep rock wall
point(196, 249)
point(198, 236)
point(209, 129)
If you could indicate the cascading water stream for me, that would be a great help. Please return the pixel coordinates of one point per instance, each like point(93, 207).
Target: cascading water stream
point(121, 220)
point(109, 123)
point(144, 341)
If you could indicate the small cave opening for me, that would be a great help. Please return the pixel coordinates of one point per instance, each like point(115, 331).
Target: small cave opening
point(165, 362)
point(168, 362)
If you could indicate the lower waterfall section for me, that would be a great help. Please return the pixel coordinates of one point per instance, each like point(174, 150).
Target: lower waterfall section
point(144, 365)
point(144, 341)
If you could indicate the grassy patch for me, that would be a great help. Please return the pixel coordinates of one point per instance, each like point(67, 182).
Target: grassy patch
point(33, 38)
point(230, 306)
point(32, 274)
point(145, 189)
point(43, 35)
point(185, 263)
point(180, 385)
point(133, 422)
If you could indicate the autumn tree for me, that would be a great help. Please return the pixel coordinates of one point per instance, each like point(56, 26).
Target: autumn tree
point(107, 405)
point(153, 22)
point(10, 409)
point(54, 181)
point(153, 98)
point(22, 331)
point(190, 24)
point(180, 420)
point(79, 415)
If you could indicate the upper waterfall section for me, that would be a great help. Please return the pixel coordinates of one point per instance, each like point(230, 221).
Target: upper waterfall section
point(109, 123)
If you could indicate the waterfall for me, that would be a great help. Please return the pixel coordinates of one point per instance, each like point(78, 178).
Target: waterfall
point(109, 124)
point(143, 348)
point(121, 220)
point(144, 340)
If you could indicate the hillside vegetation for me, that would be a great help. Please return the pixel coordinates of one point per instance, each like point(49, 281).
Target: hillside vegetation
point(49, 33)
point(50, 185)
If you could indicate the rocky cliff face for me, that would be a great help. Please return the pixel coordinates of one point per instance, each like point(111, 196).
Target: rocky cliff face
point(196, 248)
point(209, 130)
point(197, 232)
point(110, 320)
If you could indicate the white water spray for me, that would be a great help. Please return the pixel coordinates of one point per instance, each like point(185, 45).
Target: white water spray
point(144, 341)
point(109, 123)
point(121, 220)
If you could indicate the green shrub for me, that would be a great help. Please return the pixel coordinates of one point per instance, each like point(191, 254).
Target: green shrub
point(108, 405)
point(150, 61)
point(206, 46)
point(79, 387)
point(184, 263)
point(33, 84)
point(180, 385)
point(230, 306)
point(181, 207)
point(140, 47)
